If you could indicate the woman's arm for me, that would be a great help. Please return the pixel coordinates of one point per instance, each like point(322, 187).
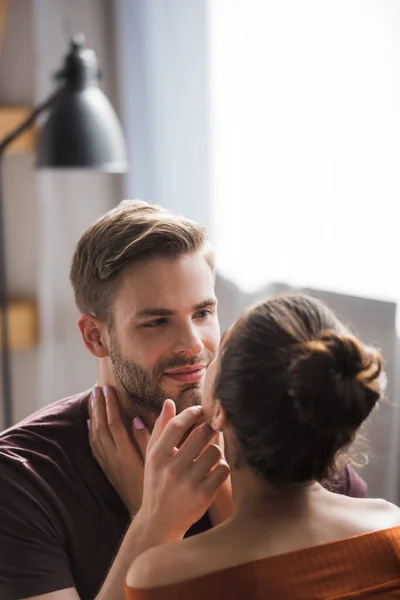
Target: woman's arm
point(179, 485)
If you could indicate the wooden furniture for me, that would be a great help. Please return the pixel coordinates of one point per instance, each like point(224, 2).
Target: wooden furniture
point(10, 118)
point(23, 324)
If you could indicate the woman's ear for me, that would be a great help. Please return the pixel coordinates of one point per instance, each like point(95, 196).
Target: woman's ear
point(94, 335)
point(218, 420)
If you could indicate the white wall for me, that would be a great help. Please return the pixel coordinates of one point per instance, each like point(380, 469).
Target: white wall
point(305, 103)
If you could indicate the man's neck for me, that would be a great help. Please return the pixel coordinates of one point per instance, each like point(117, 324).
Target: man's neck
point(127, 409)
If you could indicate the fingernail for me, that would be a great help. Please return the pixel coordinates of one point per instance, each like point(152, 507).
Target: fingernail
point(89, 424)
point(106, 390)
point(93, 397)
point(138, 423)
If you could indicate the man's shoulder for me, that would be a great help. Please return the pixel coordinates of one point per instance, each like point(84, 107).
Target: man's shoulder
point(53, 497)
point(48, 432)
point(349, 483)
point(65, 410)
point(60, 410)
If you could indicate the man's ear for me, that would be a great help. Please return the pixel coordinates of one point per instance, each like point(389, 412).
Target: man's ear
point(94, 335)
point(218, 420)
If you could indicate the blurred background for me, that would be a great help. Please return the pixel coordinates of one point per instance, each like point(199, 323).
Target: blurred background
point(276, 124)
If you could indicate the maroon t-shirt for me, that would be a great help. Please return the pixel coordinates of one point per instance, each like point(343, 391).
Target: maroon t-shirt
point(61, 522)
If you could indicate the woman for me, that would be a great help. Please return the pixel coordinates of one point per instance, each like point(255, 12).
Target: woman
point(289, 389)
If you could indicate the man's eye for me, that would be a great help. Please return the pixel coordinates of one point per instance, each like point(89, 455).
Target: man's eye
point(155, 323)
point(203, 314)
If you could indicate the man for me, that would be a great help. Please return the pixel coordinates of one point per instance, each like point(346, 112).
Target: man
point(144, 284)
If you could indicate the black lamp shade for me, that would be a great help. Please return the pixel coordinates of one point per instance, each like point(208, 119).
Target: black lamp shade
point(82, 129)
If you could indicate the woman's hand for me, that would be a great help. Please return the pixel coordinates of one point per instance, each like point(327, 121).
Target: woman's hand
point(176, 486)
point(180, 484)
point(120, 455)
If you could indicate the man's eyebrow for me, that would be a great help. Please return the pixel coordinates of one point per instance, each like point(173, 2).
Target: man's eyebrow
point(166, 312)
point(205, 304)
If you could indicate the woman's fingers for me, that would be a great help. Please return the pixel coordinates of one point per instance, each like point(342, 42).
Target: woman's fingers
point(215, 479)
point(168, 412)
point(202, 467)
point(113, 418)
point(120, 454)
point(100, 431)
point(194, 445)
point(180, 482)
point(141, 436)
point(174, 429)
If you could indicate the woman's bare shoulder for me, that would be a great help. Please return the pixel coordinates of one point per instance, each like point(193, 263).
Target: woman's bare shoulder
point(170, 563)
point(390, 512)
point(378, 513)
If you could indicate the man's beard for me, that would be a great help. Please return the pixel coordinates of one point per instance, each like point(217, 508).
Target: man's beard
point(143, 386)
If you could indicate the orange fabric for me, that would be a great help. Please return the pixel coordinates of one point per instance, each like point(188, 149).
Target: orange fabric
point(363, 567)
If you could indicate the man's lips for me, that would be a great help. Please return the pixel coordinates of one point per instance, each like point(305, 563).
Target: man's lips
point(187, 374)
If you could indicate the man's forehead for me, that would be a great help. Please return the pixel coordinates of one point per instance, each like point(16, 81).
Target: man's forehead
point(167, 285)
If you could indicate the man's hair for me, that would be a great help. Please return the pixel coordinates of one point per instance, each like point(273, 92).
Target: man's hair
point(131, 232)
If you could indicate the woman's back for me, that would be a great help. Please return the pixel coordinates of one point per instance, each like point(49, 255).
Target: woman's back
point(328, 547)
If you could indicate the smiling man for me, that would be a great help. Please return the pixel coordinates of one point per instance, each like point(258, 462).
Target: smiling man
point(155, 328)
point(143, 279)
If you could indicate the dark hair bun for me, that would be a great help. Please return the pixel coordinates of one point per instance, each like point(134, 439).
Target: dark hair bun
point(296, 386)
point(334, 381)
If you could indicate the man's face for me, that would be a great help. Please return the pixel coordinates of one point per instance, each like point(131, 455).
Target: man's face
point(165, 331)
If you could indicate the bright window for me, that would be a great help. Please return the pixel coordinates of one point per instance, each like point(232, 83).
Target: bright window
point(305, 102)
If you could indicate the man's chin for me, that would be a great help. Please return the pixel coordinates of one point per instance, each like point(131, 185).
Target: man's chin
point(189, 395)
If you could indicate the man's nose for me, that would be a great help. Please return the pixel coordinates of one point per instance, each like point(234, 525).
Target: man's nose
point(188, 341)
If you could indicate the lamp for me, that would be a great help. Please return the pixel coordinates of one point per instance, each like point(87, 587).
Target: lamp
point(81, 131)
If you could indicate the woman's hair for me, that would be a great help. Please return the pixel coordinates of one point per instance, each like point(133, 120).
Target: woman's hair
point(296, 386)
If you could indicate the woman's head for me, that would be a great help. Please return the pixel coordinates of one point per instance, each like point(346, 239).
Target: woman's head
point(295, 386)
